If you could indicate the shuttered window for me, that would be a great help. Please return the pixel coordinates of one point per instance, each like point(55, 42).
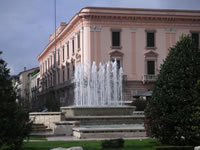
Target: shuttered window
point(150, 67)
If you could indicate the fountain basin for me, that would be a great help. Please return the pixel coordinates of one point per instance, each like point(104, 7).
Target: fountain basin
point(97, 111)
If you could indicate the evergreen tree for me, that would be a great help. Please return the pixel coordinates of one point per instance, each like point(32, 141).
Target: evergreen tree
point(173, 113)
point(14, 121)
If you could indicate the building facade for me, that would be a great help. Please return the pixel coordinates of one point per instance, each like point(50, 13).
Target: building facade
point(34, 89)
point(22, 84)
point(139, 39)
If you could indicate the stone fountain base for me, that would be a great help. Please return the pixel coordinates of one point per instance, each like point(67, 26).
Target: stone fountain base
point(101, 122)
point(97, 111)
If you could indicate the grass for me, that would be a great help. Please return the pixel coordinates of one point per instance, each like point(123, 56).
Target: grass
point(146, 144)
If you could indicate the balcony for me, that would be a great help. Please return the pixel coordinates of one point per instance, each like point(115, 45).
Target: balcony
point(149, 78)
point(55, 87)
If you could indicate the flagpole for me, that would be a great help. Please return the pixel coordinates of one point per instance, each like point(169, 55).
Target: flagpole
point(55, 21)
point(55, 64)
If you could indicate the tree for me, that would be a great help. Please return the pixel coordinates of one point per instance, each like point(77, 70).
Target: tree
point(173, 113)
point(14, 121)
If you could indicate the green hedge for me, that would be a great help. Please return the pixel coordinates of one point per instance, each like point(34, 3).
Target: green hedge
point(113, 143)
point(173, 148)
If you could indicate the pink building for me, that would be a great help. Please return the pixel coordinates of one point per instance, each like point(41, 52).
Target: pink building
point(138, 38)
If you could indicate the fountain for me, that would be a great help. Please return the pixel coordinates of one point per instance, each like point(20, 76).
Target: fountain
point(98, 88)
point(98, 91)
point(98, 106)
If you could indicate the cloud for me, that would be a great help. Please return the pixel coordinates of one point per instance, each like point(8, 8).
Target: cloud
point(156, 4)
point(127, 3)
point(24, 29)
point(181, 4)
point(26, 24)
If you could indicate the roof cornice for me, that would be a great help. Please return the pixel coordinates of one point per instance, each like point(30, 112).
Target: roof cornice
point(62, 33)
point(104, 9)
point(131, 14)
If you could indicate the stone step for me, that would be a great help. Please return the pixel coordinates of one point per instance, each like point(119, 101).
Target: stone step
point(109, 132)
point(38, 124)
point(42, 126)
point(106, 120)
point(39, 128)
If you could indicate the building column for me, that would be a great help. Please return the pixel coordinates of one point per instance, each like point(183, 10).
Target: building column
point(133, 36)
point(86, 45)
point(92, 44)
point(82, 44)
point(170, 38)
point(98, 45)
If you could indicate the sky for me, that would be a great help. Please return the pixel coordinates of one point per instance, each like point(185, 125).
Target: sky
point(25, 25)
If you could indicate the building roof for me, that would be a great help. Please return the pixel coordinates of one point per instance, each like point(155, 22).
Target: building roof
point(27, 70)
point(169, 15)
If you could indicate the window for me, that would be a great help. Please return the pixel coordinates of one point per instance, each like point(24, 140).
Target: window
point(73, 46)
point(58, 56)
point(58, 76)
point(73, 69)
point(51, 61)
point(78, 40)
point(150, 39)
point(115, 38)
point(48, 64)
point(68, 73)
point(38, 82)
point(63, 52)
point(67, 50)
point(45, 66)
point(54, 59)
point(195, 37)
point(118, 63)
point(150, 67)
point(63, 75)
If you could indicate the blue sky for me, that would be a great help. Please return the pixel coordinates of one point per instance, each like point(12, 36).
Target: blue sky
point(25, 25)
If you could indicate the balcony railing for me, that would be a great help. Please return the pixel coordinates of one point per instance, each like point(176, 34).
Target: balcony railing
point(149, 78)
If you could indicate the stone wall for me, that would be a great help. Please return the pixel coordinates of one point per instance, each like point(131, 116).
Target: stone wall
point(46, 118)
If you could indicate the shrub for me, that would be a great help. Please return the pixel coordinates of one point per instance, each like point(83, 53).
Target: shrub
point(173, 148)
point(172, 113)
point(113, 143)
point(140, 104)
